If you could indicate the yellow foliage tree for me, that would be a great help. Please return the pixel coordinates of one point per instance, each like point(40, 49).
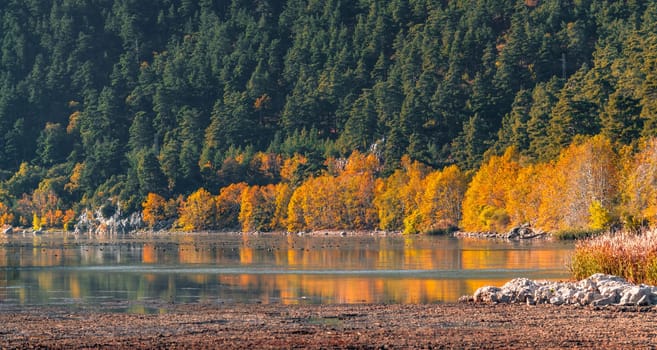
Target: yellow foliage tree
point(296, 220)
point(399, 196)
point(153, 209)
point(356, 193)
point(639, 184)
point(198, 211)
point(440, 208)
point(257, 208)
point(316, 205)
point(525, 196)
point(6, 216)
point(37, 224)
point(388, 203)
point(485, 201)
point(74, 180)
point(585, 173)
point(356, 187)
point(292, 169)
point(283, 195)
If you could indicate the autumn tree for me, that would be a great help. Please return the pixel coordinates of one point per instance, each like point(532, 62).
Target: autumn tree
point(440, 207)
point(283, 196)
point(153, 209)
point(398, 196)
point(314, 205)
point(341, 201)
point(486, 200)
point(6, 216)
point(198, 212)
point(356, 185)
point(525, 195)
point(257, 208)
point(585, 173)
point(639, 185)
point(229, 203)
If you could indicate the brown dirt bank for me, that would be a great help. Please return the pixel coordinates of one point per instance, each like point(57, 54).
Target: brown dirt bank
point(239, 326)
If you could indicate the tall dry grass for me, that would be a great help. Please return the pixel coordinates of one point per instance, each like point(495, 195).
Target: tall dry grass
point(629, 255)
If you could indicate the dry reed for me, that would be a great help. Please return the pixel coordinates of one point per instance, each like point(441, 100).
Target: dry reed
point(629, 255)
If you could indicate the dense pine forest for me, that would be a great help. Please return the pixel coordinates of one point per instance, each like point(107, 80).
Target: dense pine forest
point(413, 115)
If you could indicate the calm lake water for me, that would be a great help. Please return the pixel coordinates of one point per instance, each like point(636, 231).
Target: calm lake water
point(133, 272)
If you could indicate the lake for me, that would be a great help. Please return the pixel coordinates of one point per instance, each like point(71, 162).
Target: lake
point(130, 273)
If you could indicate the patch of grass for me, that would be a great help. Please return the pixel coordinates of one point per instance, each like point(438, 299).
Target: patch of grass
point(629, 255)
point(575, 234)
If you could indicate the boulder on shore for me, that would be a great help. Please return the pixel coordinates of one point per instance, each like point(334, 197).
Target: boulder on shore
point(597, 290)
point(524, 231)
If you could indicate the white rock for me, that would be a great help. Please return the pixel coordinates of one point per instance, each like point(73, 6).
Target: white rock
point(599, 289)
point(603, 301)
point(556, 300)
point(632, 295)
point(484, 294)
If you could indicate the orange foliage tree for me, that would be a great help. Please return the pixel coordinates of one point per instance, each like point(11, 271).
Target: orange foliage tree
point(345, 201)
point(266, 166)
point(485, 202)
point(43, 206)
point(229, 203)
point(198, 211)
point(68, 219)
point(314, 205)
point(356, 186)
point(153, 209)
point(257, 208)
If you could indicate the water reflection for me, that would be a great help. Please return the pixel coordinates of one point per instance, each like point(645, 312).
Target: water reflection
point(55, 269)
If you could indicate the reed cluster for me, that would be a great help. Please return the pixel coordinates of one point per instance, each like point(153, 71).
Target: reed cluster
point(629, 255)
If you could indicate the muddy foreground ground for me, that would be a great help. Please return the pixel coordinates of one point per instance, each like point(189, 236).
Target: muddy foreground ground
point(254, 326)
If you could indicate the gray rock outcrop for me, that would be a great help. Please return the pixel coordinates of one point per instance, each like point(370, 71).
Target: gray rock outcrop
point(524, 231)
point(597, 290)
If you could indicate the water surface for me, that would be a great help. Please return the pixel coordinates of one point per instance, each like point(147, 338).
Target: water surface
point(136, 271)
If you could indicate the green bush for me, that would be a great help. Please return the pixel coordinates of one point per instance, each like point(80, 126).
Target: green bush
point(576, 234)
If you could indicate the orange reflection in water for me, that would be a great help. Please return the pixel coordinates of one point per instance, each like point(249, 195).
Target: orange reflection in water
point(294, 289)
point(74, 286)
point(294, 269)
point(149, 255)
point(511, 259)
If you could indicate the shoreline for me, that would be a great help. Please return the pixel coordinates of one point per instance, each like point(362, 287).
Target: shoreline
point(236, 326)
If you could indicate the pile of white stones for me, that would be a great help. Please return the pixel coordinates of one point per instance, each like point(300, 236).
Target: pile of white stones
point(597, 290)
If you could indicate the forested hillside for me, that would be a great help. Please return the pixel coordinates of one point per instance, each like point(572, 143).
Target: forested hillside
point(387, 108)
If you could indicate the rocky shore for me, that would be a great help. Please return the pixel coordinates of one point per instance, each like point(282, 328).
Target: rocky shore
point(597, 290)
point(516, 233)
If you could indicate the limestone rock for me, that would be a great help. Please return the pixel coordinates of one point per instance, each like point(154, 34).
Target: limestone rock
point(597, 290)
